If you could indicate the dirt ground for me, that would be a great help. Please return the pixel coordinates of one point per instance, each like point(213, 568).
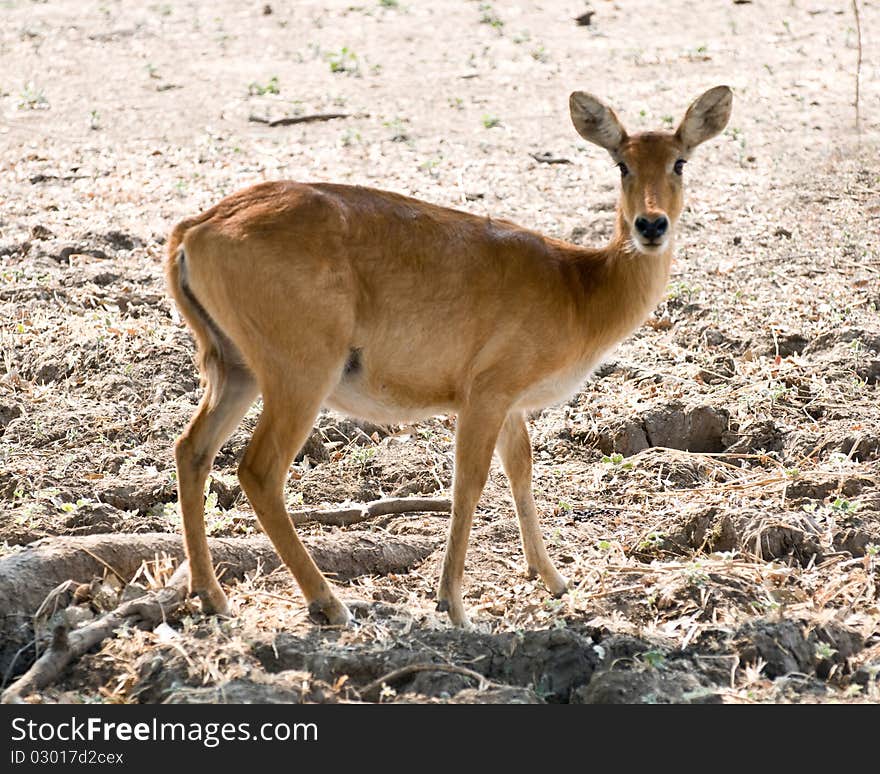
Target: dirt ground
point(712, 491)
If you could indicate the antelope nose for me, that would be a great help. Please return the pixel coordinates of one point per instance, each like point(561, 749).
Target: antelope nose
point(651, 229)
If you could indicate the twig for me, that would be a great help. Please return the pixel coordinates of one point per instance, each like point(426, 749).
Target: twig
point(398, 674)
point(358, 513)
point(31, 644)
point(549, 158)
point(108, 566)
point(43, 178)
point(66, 646)
point(724, 487)
point(612, 592)
point(297, 119)
point(855, 5)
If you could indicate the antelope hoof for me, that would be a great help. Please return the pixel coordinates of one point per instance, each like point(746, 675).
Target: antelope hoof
point(456, 612)
point(460, 619)
point(214, 601)
point(557, 585)
point(330, 612)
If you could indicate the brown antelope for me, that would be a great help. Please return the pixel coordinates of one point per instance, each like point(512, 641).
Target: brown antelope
point(392, 309)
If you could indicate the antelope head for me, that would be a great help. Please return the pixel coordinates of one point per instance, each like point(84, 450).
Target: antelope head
point(651, 163)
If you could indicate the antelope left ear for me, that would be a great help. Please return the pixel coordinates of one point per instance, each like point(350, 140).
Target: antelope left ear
point(706, 117)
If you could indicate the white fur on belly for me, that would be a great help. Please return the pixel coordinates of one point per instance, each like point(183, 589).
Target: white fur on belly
point(557, 387)
point(355, 403)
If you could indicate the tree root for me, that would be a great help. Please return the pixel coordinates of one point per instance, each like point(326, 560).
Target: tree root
point(373, 691)
point(288, 121)
point(358, 513)
point(28, 577)
point(145, 612)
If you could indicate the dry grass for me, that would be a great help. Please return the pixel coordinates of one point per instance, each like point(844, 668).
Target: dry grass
point(770, 319)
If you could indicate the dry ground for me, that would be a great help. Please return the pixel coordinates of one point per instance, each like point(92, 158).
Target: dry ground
point(712, 491)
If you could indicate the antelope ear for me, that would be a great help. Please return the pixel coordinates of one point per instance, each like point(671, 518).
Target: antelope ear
point(706, 117)
point(596, 122)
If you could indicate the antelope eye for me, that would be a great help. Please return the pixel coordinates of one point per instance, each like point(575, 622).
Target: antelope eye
point(624, 169)
point(679, 166)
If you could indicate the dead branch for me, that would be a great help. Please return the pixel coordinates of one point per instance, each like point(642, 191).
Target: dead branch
point(145, 612)
point(855, 6)
point(27, 577)
point(549, 158)
point(359, 513)
point(372, 691)
point(288, 121)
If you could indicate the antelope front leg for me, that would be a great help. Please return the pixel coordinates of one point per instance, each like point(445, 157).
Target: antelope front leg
point(475, 439)
point(515, 450)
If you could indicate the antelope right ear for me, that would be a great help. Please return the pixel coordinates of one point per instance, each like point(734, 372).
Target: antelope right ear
point(596, 122)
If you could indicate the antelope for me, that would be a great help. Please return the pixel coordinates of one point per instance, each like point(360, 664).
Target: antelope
point(392, 309)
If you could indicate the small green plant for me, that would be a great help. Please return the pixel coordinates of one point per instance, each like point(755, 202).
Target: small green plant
point(696, 575)
point(762, 606)
point(363, 454)
point(618, 461)
point(604, 545)
point(652, 540)
point(430, 166)
point(389, 3)
point(824, 651)
point(350, 137)
point(32, 98)
point(842, 505)
point(75, 506)
point(270, 87)
point(490, 122)
point(554, 605)
point(211, 507)
point(168, 511)
point(94, 120)
point(654, 658)
point(387, 693)
point(775, 390)
point(564, 506)
point(540, 54)
point(343, 61)
point(735, 134)
point(872, 550)
point(399, 132)
point(490, 17)
point(680, 291)
point(218, 521)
